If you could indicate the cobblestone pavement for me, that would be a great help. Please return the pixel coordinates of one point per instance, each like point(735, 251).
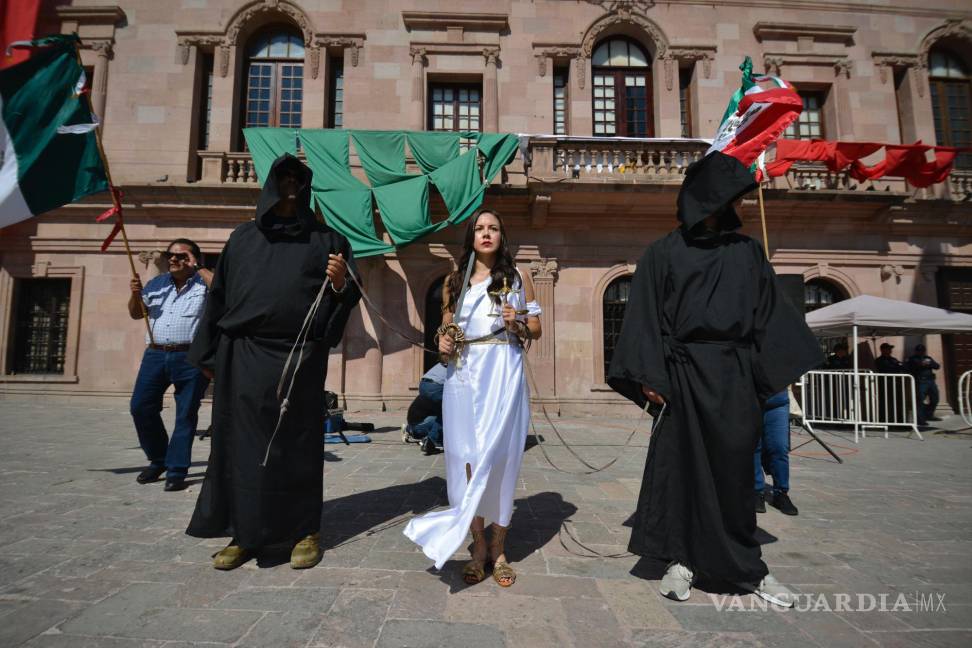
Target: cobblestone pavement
point(90, 558)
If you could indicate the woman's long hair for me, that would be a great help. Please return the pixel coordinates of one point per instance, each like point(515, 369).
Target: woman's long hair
point(503, 266)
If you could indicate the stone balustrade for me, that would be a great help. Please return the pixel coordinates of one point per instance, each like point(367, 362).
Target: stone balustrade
point(606, 160)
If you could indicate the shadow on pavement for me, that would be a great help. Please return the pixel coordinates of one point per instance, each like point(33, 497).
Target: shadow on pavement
point(344, 518)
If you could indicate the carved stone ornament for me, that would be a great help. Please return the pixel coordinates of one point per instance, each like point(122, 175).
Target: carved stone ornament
point(491, 56)
point(187, 40)
point(609, 23)
point(623, 7)
point(314, 60)
point(772, 64)
point(888, 271)
point(40, 269)
point(888, 61)
point(688, 54)
point(351, 42)
point(544, 269)
point(669, 71)
point(580, 65)
point(254, 10)
point(222, 59)
point(843, 67)
point(419, 55)
point(104, 48)
point(561, 52)
point(952, 29)
point(146, 257)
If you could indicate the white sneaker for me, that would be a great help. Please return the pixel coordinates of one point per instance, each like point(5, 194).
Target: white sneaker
point(677, 582)
point(770, 589)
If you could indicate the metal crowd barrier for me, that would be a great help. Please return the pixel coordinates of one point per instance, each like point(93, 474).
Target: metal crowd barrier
point(865, 400)
point(965, 397)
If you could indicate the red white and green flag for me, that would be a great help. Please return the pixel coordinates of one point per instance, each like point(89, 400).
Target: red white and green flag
point(758, 113)
point(49, 154)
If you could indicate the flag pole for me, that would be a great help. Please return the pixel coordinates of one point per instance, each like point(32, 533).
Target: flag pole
point(116, 203)
point(762, 218)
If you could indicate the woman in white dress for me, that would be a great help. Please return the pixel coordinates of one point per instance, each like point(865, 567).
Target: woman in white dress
point(485, 403)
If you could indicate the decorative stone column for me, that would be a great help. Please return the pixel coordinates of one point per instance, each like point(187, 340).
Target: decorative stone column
point(362, 344)
point(543, 351)
point(491, 91)
point(99, 84)
point(419, 61)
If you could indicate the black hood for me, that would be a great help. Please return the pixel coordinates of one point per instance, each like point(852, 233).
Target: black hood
point(710, 187)
point(270, 196)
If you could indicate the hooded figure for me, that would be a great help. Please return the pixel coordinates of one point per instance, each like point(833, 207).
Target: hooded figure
point(267, 278)
point(708, 333)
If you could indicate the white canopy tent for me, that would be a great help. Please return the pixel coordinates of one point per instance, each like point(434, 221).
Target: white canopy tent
point(876, 316)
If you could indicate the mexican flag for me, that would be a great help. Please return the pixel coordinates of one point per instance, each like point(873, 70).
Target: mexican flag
point(756, 116)
point(48, 148)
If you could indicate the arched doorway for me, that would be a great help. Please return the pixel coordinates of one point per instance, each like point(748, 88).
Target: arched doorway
point(819, 293)
point(273, 93)
point(621, 70)
point(433, 319)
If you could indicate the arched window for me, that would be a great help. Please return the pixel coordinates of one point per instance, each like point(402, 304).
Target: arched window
point(951, 95)
point(615, 302)
point(433, 319)
point(274, 72)
point(622, 89)
point(818, 293)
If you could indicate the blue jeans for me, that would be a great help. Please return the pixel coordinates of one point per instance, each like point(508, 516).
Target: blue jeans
point(773, 448)
point(158, 371)
point(431, 390)
point(926, 389)
point(431, 428)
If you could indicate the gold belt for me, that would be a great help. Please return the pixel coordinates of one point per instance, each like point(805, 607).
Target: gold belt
point(493, 341)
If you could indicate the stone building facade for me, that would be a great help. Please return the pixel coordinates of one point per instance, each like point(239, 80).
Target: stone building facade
point(177, 81)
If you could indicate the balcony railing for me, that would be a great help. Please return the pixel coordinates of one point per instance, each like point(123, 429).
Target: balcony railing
point(612, 160)
point(622, 161)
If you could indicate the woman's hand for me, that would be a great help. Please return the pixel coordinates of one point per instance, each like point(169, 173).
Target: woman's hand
point(509, 316)
point(652, 395)
point(447, 345)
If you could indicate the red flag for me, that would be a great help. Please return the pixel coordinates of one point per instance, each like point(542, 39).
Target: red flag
point(18, 21)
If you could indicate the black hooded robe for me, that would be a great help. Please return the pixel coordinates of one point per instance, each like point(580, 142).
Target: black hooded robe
point(267, 277)
point(707, 327)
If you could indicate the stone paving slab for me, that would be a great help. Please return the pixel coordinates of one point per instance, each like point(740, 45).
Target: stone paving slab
point(89, 558)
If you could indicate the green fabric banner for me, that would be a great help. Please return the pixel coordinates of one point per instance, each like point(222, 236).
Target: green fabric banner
point(459, 185)
point(267, 144)
point(402, 198)
point(382, 155)
point(432, 150)
point(404, 208)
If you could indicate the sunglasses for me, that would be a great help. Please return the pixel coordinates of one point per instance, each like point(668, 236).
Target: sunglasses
point(175, 256)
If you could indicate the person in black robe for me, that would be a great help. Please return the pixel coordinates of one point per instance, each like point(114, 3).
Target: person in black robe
point(259, 492)
point(707, 334)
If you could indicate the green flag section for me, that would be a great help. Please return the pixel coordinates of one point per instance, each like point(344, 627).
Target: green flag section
point(402, 198)
point(48, 147)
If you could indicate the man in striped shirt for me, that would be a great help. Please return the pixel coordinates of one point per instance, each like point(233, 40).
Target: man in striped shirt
point(175, 302)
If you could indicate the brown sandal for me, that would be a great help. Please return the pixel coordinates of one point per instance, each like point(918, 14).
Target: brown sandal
point(474, 571)
point(503, 574)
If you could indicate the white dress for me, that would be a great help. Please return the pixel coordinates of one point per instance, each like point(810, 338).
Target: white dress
point(486, 414)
